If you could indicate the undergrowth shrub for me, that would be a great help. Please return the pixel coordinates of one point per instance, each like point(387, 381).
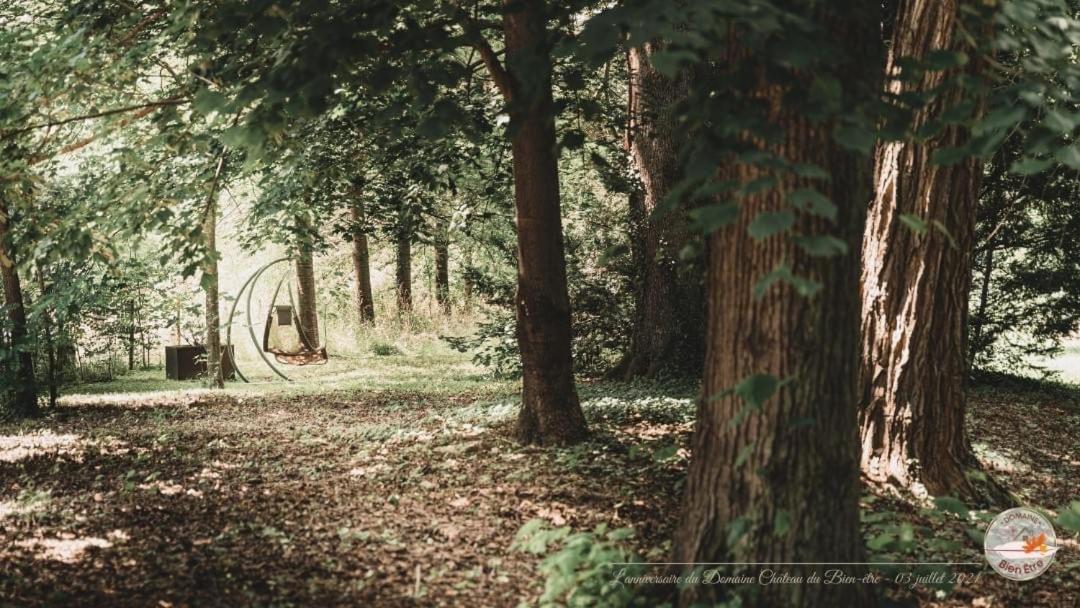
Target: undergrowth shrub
point(583, 568)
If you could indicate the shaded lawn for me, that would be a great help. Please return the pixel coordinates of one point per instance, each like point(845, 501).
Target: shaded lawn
point(399, 489)
point(399, 497)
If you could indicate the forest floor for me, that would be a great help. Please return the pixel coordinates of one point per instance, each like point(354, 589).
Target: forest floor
point(402, 487)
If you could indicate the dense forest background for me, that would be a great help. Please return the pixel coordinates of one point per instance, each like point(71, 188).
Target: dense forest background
point(812, 215)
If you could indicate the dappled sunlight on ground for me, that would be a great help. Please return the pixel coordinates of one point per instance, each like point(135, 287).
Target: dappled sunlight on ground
point(17, 447)
point(67, 550)
point(340, 492)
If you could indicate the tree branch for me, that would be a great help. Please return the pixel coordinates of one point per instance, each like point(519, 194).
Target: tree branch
point(172, 101)
point(82, 143)
point(475, 36)
point(141, 25)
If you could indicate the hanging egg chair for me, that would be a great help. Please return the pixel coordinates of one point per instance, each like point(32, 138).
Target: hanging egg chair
point(284, 335)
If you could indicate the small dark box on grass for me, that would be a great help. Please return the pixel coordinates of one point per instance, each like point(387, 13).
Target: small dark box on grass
point(186, 362)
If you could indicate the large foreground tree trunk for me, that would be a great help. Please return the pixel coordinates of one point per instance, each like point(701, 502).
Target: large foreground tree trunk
point(365, 306)
point(214, 377)
point(669, 304)
point(915, 289)
point(306, 304)
point(24, 394)
point(780, 482)
point(550, 410)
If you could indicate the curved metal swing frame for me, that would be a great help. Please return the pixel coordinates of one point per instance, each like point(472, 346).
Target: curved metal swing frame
point(249, 286)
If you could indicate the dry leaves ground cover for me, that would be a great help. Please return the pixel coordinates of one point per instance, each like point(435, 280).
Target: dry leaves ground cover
point(397, 492)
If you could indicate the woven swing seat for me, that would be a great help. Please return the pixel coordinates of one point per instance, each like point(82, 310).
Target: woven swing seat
point(285, 338)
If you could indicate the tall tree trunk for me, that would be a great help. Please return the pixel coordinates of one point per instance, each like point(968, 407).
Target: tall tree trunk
point(131, 334)
point(214, 375)
point(669, 306)
point(976, 344)
point(306, 305)
point(550, 410)
point(403, 270)
point(466, 281)
point(915, 288)
point(365, 305)
point(779, 481)
point(48, 321)
point(442, 268)
point(24, 394)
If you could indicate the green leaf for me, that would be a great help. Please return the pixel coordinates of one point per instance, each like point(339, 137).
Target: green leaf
point(1003, 118)
point(1030, 166)
point(770, 223)
point(945, 231)
point(913, 222)
point(943, 60)
point(669, 62)
point(1070, 517)
point(952, 505)
point(781, 522)
point(822, 246)
point(710, 218)
point(757, 388)
point(207, 101)
point(803, 286)
point(737, 529)
point(854, 138)
point(1060, 121)
point(949, 156)
point(743, 454)
point(665, 453)
point(809, 171)
point(1069, 155)
point(880, 541)
point(813, 202)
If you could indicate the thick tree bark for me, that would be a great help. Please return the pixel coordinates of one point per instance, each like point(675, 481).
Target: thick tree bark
point(365, 305)
point(915, 289)
point(550, 410)
point(24, 394)
point(669, 307)
point(442, 269)
point(403, 270)
point(214, 376)
point(306, 305)
point(780, 482)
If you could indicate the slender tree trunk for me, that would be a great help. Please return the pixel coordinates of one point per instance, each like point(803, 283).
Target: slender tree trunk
point(779, 481)
point(915, 289)
point(669, 307)
point(131, 335)
point(305, 294)
point(210, 285)
point(365, 305)
point(50, 344)
point(442, 268)
point(24, 394)
point(466, 282)
point(550, 411)
point(403, 270)
point(178, 335)
point(976, 345)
